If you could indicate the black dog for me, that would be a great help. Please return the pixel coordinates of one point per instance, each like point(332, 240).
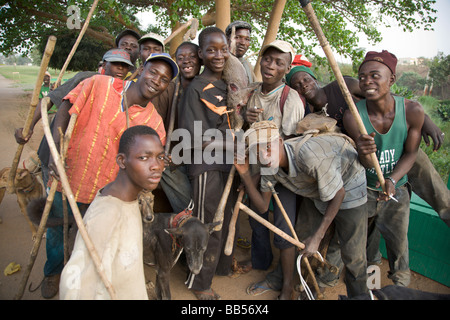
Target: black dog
point(393, 292)
point(164, 240)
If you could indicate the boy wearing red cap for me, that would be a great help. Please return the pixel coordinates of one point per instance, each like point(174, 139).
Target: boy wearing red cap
point(394, 125)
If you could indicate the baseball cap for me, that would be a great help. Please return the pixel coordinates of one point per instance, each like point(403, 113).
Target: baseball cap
point(152, 36)
point(127, 32)
point(384, 57)
point(301, 60)
point(261, 132)
point(281, 45)
point(165, 57)
point(117, 55)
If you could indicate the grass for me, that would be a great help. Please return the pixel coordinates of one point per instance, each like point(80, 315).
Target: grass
point(25, 76)
point(440, 158)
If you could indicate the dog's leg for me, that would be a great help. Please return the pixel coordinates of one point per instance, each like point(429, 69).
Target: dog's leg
point(162, 287)
point(23, 207)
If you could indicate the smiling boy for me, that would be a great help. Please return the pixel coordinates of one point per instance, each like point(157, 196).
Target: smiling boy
point(205, 103)
point(101, 104)
point(394, 125)
point(114, 224)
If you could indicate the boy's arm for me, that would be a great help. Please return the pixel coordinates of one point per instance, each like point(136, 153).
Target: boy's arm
point(313, 242)
point(414, 120)
point(260, 200)
point(432, 130)
point(62, 119)
point(365, 144)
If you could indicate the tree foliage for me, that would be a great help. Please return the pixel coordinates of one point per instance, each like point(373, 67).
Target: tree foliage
point(23, 22)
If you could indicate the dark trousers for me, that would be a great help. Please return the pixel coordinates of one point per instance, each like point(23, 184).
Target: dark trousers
point(207, 189)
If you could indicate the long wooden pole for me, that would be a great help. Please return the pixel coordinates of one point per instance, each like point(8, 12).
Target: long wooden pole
point(308, 9)
point(272, 30)
point(34, 101)
point(73, 205)
point(232, 229)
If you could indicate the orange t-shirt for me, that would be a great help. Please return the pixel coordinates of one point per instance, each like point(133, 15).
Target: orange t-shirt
point(91, 156)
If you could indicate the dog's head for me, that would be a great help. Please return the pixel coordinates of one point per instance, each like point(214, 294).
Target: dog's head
point(193, 236)
point(146, 201)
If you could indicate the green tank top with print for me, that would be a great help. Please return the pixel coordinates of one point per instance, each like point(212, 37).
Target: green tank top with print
point(389, 145)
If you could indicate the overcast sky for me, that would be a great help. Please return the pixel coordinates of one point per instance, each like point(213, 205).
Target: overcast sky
point(418, 43)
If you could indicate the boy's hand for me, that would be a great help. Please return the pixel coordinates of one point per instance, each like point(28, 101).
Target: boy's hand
point(252, 114)
point(365, 144)
point(241, 162)
point(20, 139)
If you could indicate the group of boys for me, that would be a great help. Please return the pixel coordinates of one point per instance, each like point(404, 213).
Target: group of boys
point(319, 179)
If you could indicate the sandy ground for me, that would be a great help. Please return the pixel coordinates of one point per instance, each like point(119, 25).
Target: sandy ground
point(16, 242)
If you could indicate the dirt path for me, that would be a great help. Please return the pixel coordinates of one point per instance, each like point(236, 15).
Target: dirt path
point(16, 243)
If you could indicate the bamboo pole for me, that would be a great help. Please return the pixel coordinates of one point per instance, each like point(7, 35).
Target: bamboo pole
point(272, 30)
point(223, 15)
point(34, 101)
point(308, 9)
point(77, 42)
point(76, 212)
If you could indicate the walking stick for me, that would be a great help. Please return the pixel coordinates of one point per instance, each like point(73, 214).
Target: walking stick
point(73, 205)
point(34, 101)
point(308, 9)
point(77, 42)
point(48, 205)
point(232, 228)
point(308, 266)
point(270, 226)
point(172, 115)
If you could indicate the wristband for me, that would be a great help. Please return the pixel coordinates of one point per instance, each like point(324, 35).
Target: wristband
point(392, 180)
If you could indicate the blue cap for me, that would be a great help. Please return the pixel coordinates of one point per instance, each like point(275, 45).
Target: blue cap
point(165, 57)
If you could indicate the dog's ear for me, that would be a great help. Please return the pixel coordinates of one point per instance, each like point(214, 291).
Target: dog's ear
point(212, 225)
point(177, 232)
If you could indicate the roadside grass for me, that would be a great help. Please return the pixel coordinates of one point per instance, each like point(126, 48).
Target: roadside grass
point(25, 76)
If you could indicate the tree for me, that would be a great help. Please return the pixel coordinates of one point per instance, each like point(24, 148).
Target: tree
point(440, 73)
point(23, 22)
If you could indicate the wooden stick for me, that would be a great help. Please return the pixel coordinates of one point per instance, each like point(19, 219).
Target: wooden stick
point(75, 46)
point(193, 22)
point(232, 229)
point(172, 114)
point(288, 221)
point(76, 212)
point(270, 226)
point(48, 205)
point(34, 101)
point(223, 200)
point(308, 9)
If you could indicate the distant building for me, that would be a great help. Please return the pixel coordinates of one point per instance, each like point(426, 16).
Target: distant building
point(409, 61)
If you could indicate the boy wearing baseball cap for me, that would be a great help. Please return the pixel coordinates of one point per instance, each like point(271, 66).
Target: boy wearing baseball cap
point(325, 171)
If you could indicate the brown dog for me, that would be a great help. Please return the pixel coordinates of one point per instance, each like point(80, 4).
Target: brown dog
point(27, 188)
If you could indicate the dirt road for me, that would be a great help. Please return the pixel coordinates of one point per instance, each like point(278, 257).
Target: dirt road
point(16, 242)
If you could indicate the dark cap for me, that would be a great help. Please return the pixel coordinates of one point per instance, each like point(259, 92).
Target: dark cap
point(127, 32)
point(238, 25)
point(117, 55)
point(167, 58)
point(384, 57)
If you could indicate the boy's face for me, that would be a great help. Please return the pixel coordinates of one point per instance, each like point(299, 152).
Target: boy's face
point(116, 69)
point(144, 162)
point(148, 47)
point(46, 80)
point(130, 44)
point(274, 65)
point(215, 52)
point(304, 84)
point(188, 61)
point(242, 38)
point(155, 78)
point(375, 80)
point(269, 154)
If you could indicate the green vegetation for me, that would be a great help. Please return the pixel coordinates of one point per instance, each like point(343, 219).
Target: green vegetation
point(25, 76)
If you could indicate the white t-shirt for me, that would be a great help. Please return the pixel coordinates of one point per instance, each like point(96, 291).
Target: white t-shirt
point(115, 228)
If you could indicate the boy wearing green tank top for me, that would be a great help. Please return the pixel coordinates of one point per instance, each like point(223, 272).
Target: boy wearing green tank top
point(394, 126)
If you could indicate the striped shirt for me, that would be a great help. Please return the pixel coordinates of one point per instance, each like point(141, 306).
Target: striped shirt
point(319, 169)
point(91, 157)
